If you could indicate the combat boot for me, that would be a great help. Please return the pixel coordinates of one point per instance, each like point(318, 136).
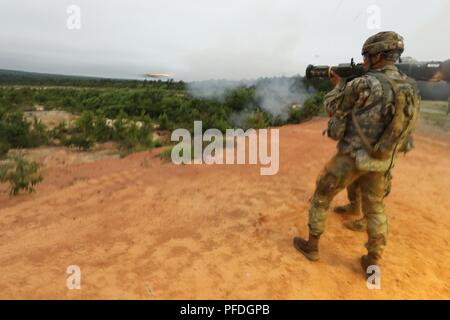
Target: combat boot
point(310, 248)
point(367, 261)
point(349, 209)
point(359, 225)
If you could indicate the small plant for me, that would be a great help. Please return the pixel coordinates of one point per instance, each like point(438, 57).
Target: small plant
point(21, 175)
point(258, 120)
point(312, 107)
point(166, 154)
point(59, 132)
point(133, 136)
point(79, 141)
point(38, 134)
point(164, 123)
point(157, 143)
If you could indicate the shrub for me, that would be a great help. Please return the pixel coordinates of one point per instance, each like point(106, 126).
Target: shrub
point(14, 130)
point(312, 107)
point(4, 147)
point(166, 154)
point(258, 120)
point(59, 132)
point(157, 143)
point(131, 136)
point(80, 141)
point(85, 123)
point(21, 175)
point(38, 134)
point(17, 132)
point(99, 130)
point(164, 123)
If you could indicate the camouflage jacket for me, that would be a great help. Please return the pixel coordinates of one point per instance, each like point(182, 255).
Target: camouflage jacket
point(365, 94)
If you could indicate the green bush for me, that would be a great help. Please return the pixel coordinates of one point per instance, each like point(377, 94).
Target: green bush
point(157, 143)
point(38, 134)
point(133, 137)
point(79, 141)
point(312, 107)
point(85, 123)
point(164, 123)
point(258, 120)
point(59, 132)
point(15, 130)
point(4, 147)
point(166, 154)
point(21, 175)
point(99, 129)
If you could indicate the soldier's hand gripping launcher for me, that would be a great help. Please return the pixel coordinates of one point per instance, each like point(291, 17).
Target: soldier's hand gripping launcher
point(421, 71)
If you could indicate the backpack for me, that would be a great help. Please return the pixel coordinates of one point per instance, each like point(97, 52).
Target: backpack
point(406, 108)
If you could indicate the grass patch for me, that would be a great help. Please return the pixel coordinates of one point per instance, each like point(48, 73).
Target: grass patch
point(435, 113)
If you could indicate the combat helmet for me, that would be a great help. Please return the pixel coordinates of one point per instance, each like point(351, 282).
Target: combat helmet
point(384, 42)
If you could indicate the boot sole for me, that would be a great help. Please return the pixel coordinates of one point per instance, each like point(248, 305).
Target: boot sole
point(310, 256)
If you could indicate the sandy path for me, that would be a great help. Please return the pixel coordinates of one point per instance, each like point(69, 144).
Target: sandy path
point(139, 228)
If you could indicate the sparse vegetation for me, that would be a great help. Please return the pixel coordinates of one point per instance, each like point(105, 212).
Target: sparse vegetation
point(16, 132)
point(166, 154)
point(312, 107)
point(125, 112)
point(435, 114)
point(21, 175)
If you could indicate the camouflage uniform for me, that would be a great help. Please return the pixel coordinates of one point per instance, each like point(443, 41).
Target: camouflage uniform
point(365, 95)
point(372, 117)
point(354, 206)
point(354, 196)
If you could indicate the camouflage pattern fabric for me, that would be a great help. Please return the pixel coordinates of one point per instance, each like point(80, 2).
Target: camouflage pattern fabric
point(354, 192)
point(383, 42)
point(338, 174)
point(365, 94)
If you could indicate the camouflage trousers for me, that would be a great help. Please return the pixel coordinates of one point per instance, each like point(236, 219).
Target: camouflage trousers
point(354, 192)
point(339, 173)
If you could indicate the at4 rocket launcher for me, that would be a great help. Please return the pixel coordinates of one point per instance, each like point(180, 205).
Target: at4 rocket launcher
point(420, 71)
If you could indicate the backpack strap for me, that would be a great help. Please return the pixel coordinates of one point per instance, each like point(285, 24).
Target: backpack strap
point(386, 85)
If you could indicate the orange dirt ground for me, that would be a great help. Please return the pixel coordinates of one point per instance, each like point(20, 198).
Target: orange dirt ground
point(142, 228)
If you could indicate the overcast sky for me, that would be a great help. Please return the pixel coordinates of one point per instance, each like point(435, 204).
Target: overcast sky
point(209, 39)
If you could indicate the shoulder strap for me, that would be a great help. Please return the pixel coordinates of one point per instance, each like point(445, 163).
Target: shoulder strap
point(386, 84)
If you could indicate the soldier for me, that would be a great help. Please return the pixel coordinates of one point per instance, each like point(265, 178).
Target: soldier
point(372, 117)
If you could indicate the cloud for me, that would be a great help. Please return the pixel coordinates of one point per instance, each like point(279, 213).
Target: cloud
point(207, 39)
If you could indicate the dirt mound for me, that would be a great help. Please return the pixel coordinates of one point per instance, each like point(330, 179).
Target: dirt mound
point(141, 228)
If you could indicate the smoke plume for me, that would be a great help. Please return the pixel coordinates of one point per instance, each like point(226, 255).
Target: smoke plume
point(273, 95)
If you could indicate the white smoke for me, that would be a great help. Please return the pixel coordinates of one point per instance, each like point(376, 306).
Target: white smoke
point(274, 95)
point(216, 89)
point(277, 95)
